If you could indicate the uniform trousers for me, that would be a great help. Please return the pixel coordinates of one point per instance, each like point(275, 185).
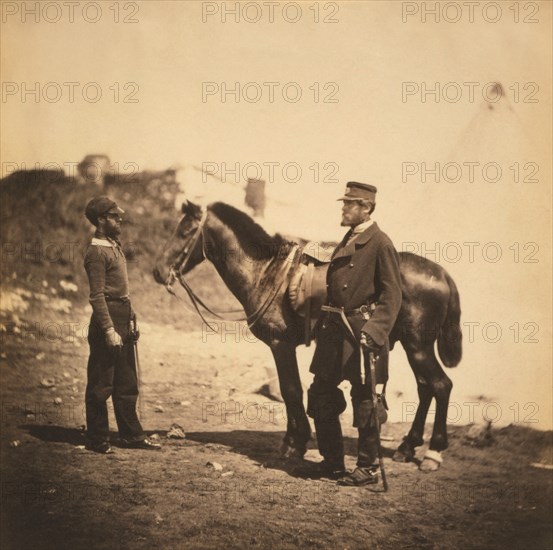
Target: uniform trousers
point(112, 372)
point(325, 404)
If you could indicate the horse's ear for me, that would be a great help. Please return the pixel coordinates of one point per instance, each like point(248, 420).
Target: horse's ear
point(191, 209)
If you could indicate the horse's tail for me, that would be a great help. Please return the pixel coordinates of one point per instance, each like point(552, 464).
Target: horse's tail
point(450, 337)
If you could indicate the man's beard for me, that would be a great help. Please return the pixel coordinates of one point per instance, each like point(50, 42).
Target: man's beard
point(345, 222)
point(113, 232)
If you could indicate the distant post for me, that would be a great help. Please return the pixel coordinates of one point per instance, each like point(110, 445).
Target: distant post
point(255, 196)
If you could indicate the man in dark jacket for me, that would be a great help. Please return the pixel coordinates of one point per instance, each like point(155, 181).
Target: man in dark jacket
point(111, 365)
point(364, 282)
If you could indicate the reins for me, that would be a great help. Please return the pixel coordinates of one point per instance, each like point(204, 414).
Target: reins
point(176, 272)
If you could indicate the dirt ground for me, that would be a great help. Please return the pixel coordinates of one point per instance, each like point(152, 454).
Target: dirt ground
point(56, 494)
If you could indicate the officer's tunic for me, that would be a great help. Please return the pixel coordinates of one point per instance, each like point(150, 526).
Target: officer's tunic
point(363, 271)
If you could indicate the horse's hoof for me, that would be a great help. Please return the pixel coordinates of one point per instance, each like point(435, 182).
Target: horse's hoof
point(404, 453)
point(291, 453)
point(401, 457)
point(431, 462)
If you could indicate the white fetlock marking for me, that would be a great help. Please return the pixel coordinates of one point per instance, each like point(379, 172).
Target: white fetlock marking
point(436, 456)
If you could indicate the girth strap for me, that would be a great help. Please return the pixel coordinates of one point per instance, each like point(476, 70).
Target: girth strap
point(308, 291)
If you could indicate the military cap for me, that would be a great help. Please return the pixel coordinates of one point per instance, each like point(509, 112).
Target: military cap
point(359, 191)
point(99, 206)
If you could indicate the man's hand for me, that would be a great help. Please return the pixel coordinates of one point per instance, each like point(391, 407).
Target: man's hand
point(112, 338)
point(368, 343)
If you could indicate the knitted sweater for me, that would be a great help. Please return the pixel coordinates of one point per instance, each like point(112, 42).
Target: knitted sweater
point(106, 268)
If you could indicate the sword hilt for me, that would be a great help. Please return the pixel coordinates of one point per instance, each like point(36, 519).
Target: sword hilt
point(134, 333)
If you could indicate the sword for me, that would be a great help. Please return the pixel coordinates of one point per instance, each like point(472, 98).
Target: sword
point(366, 311)
point(372, 361)
point(133, 337)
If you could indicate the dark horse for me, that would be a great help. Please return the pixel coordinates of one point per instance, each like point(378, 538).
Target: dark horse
point(255, 267)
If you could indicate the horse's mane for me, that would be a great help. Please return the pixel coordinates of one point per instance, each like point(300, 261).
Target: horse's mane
point(249, 233)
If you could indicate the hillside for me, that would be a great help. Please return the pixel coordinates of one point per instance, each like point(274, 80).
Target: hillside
point(44, 234)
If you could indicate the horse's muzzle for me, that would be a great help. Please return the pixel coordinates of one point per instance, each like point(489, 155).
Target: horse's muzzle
point(159, 277)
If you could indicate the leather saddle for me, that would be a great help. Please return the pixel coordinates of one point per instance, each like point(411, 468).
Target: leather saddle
point(307, 288)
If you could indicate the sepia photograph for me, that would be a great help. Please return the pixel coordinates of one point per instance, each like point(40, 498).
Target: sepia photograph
point(276, 275)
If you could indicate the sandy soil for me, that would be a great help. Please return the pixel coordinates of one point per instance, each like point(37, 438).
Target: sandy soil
point(56, 494)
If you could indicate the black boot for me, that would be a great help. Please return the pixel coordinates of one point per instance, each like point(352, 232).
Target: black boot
point(361, 476)
point(330, 442)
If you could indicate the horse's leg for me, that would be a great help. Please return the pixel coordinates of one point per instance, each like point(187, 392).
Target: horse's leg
point(441, 387)
point(437, 384)
point(406, 451)
point(298, 430)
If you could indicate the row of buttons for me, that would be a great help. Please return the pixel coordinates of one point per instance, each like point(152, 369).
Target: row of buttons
point(345, 285)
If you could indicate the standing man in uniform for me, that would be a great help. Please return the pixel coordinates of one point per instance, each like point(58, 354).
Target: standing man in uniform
point(111, 365)
point(364, 283)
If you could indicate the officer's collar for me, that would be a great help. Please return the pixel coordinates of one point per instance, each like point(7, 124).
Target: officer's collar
point(359, 228)
point(348, 248)
point(366, 234)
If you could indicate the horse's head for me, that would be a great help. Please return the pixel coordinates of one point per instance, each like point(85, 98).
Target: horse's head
point(184, 249)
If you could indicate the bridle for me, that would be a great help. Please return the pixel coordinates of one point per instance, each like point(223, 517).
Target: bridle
point(177, 269)
point(179, 265)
